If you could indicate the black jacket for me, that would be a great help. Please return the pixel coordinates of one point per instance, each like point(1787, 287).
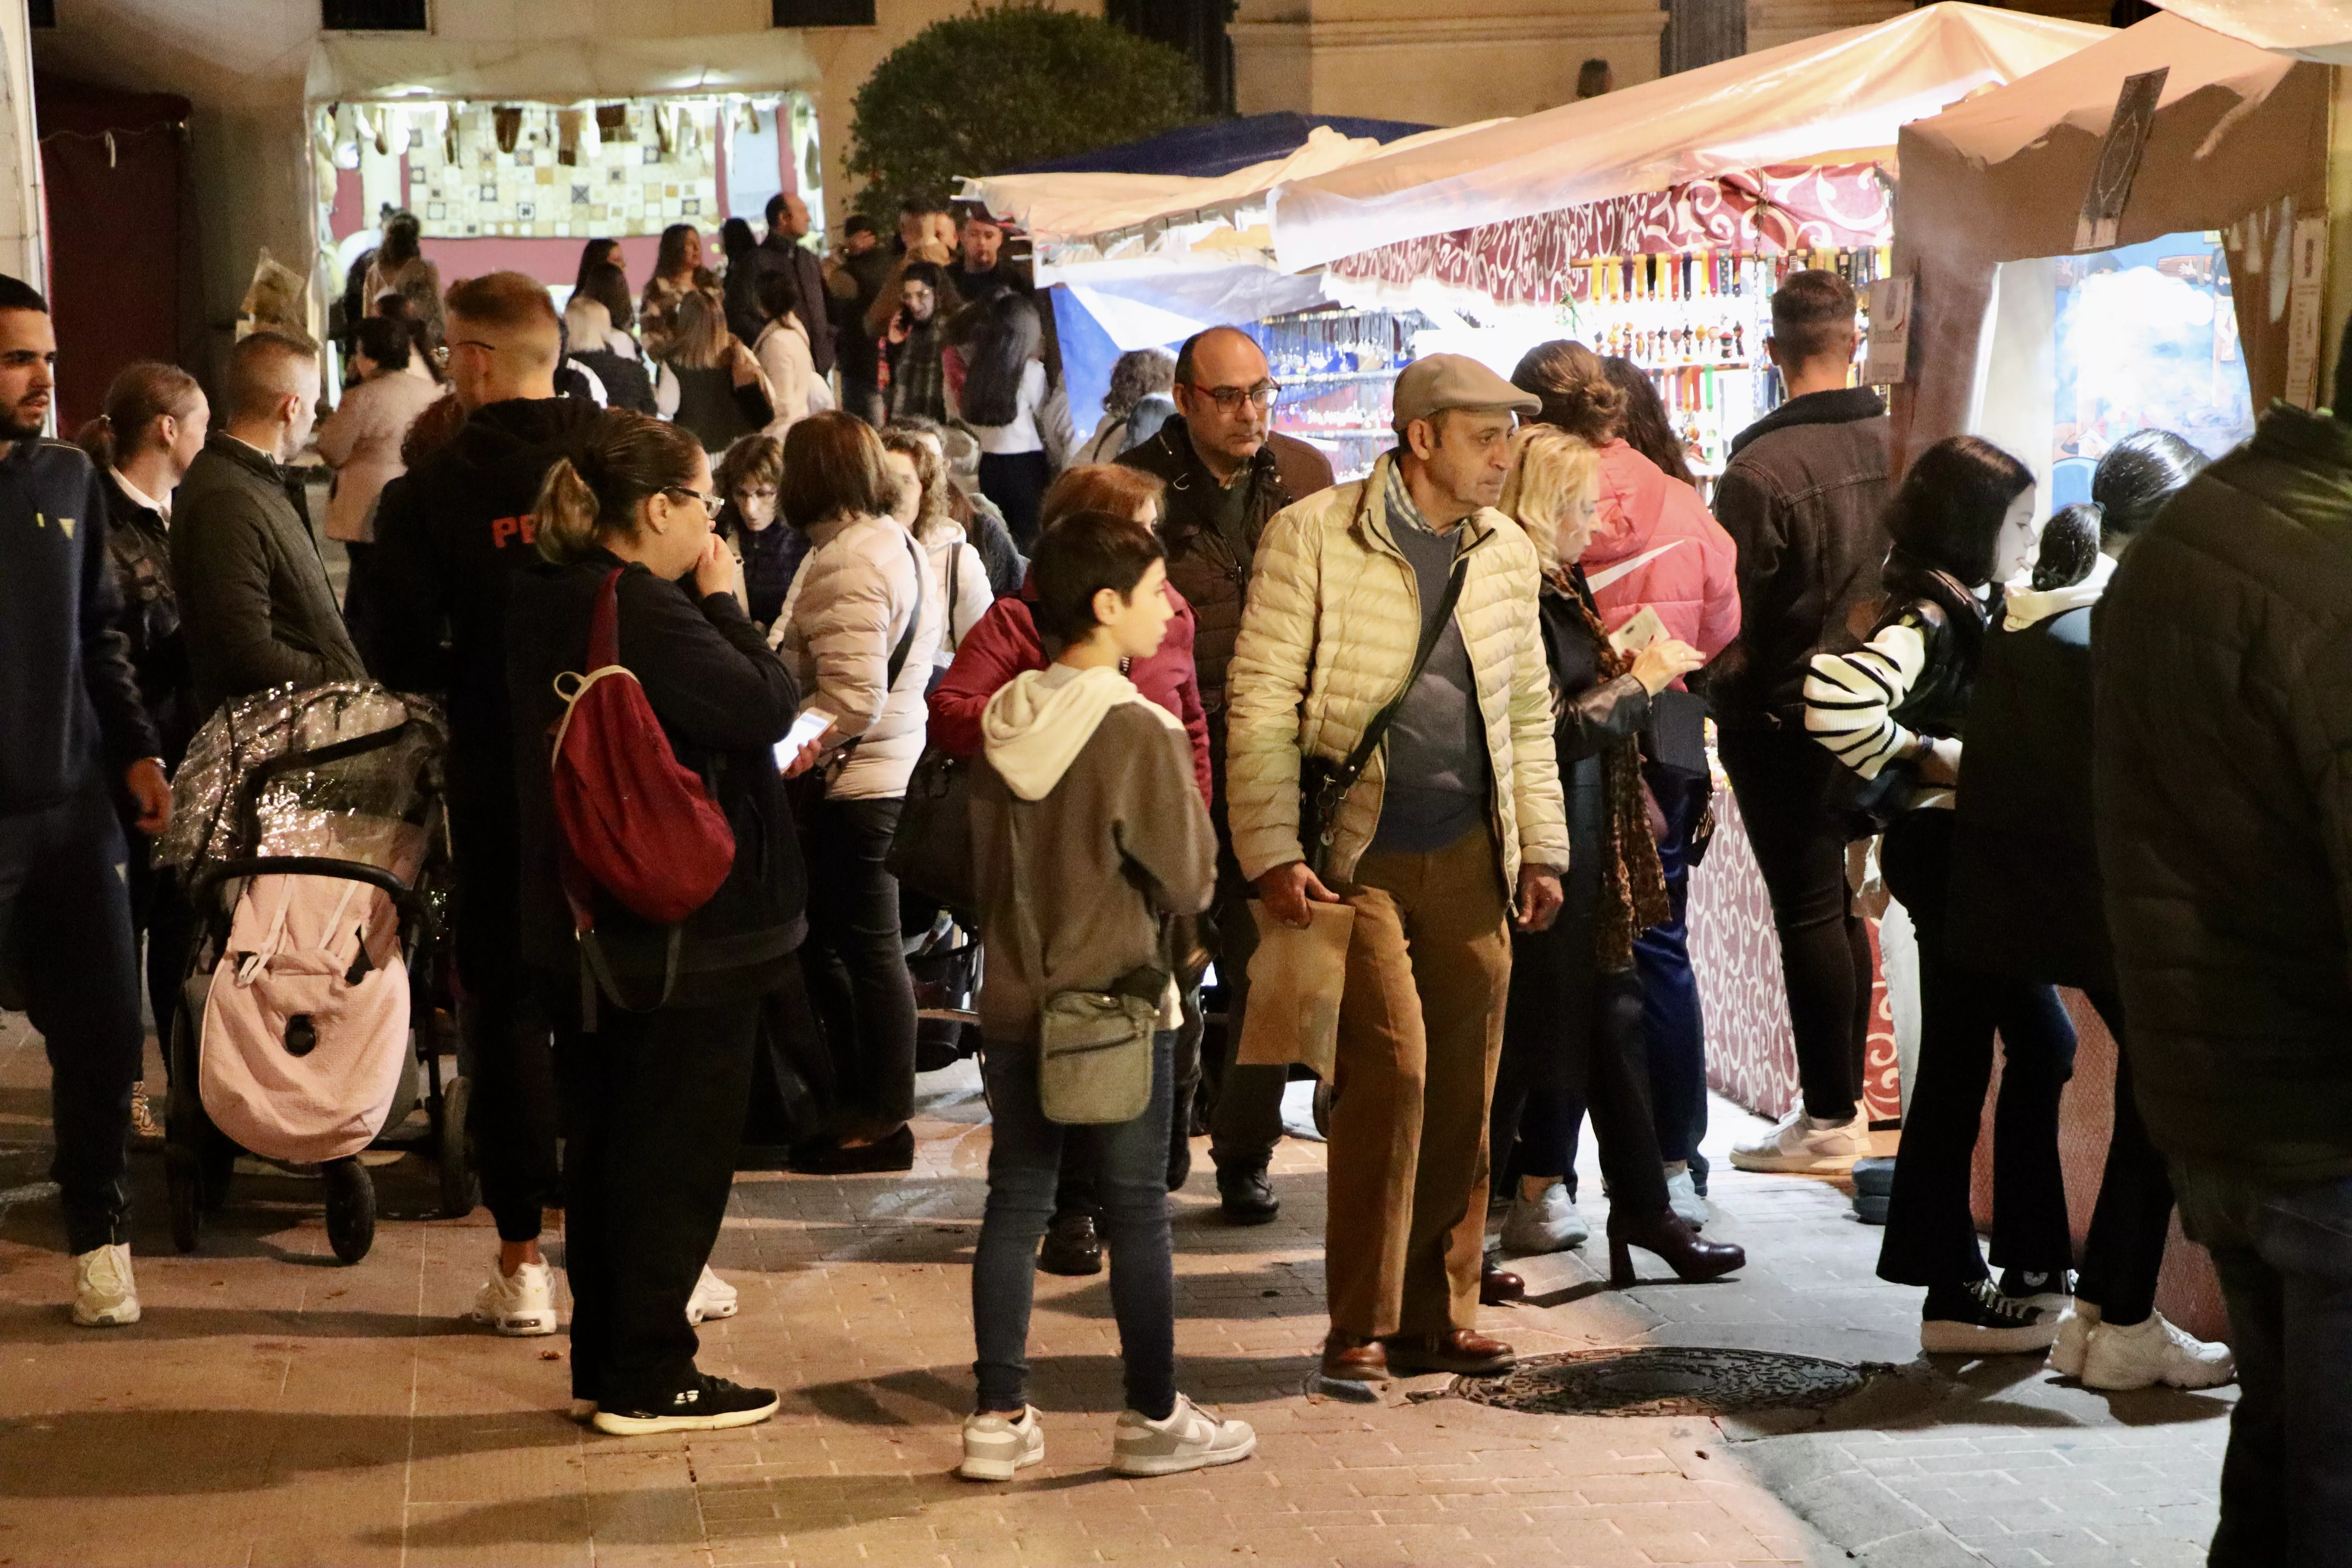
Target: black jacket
point(254, 603)
point(2223, 669)
point(1802, 499)
point(2026, 892)
point(69, 702)
point(1555, 972)
point(1210, 571)
point(139, 543)
point(450, 533)
point(724, 701)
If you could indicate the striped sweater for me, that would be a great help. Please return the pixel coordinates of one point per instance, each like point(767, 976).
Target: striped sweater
point(1851, 700)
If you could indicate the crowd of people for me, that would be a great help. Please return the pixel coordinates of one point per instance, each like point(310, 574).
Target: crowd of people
point(1194, 697)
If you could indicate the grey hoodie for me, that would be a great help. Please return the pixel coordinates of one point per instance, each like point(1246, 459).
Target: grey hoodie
point(1113, 841)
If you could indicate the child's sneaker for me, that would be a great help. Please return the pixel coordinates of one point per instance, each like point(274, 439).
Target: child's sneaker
point(713, 1299)
point(1190, 1439)
point(519, 1304)
point(995, 1445)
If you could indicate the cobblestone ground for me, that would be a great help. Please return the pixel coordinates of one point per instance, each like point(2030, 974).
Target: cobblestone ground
point(275, 1407)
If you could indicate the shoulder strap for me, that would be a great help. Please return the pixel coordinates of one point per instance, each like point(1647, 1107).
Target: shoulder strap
point(604, 626)
point(914, 619)
point(1430, 631)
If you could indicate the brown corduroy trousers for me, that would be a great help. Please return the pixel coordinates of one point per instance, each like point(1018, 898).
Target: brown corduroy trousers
point(1421, 1029)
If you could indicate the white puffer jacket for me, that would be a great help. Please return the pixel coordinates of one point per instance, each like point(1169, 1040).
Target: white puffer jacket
point(846, 610)
point(1328, 636)
point(961, 578)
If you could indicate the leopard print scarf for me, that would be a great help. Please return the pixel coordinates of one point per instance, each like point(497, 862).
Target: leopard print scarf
point(1632, 880)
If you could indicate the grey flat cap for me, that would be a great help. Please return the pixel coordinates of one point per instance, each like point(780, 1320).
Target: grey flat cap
point(1440, 382)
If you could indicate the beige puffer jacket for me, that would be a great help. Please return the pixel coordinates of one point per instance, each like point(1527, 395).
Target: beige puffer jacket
point(845, 612)
point(1333, 619)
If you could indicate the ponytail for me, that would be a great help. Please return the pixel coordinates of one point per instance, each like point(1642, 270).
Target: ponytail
point(593, 496)
point(141, 394)
point(96, 438)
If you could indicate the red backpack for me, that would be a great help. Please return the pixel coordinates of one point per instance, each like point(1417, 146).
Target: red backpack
point(633, 820)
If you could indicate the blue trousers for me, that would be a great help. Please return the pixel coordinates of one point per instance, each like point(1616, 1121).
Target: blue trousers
point(1025, 1160)
point(1674, 1031)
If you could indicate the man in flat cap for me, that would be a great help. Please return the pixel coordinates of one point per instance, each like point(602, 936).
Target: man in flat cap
point(1391, 626)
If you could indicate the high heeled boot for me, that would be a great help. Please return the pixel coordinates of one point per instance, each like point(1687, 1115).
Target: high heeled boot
point(1662, 1232)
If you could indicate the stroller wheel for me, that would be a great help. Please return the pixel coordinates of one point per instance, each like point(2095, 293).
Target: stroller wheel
point(461, 1190)
point(1324, 1099)
point(180, 1183)
point(351, 1208)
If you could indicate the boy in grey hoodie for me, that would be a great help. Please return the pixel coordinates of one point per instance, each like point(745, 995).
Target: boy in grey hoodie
point(1114, 846)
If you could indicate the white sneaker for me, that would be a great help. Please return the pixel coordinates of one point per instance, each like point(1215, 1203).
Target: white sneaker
point(713, 1299)
point(2155, 1351)
point(1190, 1439)
point(105, 1295)
point(519, 1304)
point(996, 1445)
point(2074, 1338)
point(1803, 1145)
point(1546, 1222)
point(1682, 1197)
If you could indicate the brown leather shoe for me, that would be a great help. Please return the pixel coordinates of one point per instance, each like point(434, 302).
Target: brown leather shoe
point(1464, 1351)
point(1347, 1359)
point(1500, 1287)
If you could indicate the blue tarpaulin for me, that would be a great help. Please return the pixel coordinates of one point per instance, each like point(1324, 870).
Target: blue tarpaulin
point(1218, 147)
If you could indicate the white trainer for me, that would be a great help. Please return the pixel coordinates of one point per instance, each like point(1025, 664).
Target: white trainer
point(518, 1304)
point(1546, 1222)
point(2074, 1338)
point(996, 1445)
point(2144, 1355)
point(1806, 1146)
point(105, 1295)
point(713, 1299)
point(1190, 1439)
point(1682, 1197)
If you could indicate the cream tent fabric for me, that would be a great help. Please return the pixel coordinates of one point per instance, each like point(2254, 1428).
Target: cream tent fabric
point(2310, 29)
point(1837, 98)
point(555, 70)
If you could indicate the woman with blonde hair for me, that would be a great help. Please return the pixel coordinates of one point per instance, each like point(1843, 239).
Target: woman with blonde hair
point(657, 1080)
point(1573, 1028)
point(710, 384)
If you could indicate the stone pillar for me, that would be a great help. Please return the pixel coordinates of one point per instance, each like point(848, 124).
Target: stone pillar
point(1401, 59)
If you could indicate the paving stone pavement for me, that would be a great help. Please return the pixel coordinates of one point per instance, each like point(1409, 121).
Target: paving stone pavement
point(275, 1407)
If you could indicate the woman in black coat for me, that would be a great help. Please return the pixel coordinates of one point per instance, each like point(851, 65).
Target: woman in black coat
point(2027, 900)
point(654, 1044)
point(1893, 711)
point(1572, 1028)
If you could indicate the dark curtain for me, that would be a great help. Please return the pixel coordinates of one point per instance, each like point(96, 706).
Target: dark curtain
point(110, 167)
point(1701, 32)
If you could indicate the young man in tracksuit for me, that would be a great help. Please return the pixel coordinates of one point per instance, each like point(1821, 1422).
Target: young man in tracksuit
point(70, 724)
point(449, 533)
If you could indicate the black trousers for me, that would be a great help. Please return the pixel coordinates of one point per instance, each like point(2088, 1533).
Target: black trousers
point(2123, 1252)
point(1016, 483)
point(65, 937)
point(1597, 1065)
point(509, 1052)
point(1783, 778)
point(160, 913)
point(652, 1105)
point(1931, 1238)
point(856, 960)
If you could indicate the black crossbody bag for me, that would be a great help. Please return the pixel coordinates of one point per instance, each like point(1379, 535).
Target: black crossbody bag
point(1323, 784)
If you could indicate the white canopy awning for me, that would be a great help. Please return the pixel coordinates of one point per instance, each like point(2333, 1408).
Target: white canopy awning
point(1839, 98)
point(2309, 29)
point(556, 70)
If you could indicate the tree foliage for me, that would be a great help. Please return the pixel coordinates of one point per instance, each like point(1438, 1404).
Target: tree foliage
point(1009, 85)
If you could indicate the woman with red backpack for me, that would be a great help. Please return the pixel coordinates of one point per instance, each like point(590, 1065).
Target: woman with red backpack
point(663, 894)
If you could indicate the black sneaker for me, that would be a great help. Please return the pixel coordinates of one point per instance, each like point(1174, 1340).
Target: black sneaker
point(1247, 1196)
point(707, 1404)
point(2052, 1290)
point(1975, 1318)
point(1071, 1247)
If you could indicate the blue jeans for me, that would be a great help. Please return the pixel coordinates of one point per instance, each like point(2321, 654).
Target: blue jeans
point(1025, 1160)
point(1673, 1027)
point(2285, 1256)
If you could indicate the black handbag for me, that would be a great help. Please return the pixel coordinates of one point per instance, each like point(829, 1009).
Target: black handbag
point(1323, 784)
point(931, 849)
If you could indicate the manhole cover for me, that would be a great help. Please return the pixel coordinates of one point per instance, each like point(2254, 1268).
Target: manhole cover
point(1665, 1381)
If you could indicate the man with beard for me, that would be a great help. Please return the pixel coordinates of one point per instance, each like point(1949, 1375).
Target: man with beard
point(71, 712)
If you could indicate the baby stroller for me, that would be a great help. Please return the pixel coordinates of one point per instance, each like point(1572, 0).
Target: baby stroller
point(310, 825)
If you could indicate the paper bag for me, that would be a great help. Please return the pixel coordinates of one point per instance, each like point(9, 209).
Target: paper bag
point(1296, 980)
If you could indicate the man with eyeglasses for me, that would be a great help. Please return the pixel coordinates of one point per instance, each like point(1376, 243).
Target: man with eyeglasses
point(449, 533)
point(1227, 472)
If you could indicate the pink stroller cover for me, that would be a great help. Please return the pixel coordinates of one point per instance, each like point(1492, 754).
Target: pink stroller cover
point(297, 1061)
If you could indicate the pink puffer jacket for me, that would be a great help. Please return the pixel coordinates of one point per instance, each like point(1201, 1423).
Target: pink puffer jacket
point(1655, 542)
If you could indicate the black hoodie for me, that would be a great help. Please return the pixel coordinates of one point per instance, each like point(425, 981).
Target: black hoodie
point(449, 534)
